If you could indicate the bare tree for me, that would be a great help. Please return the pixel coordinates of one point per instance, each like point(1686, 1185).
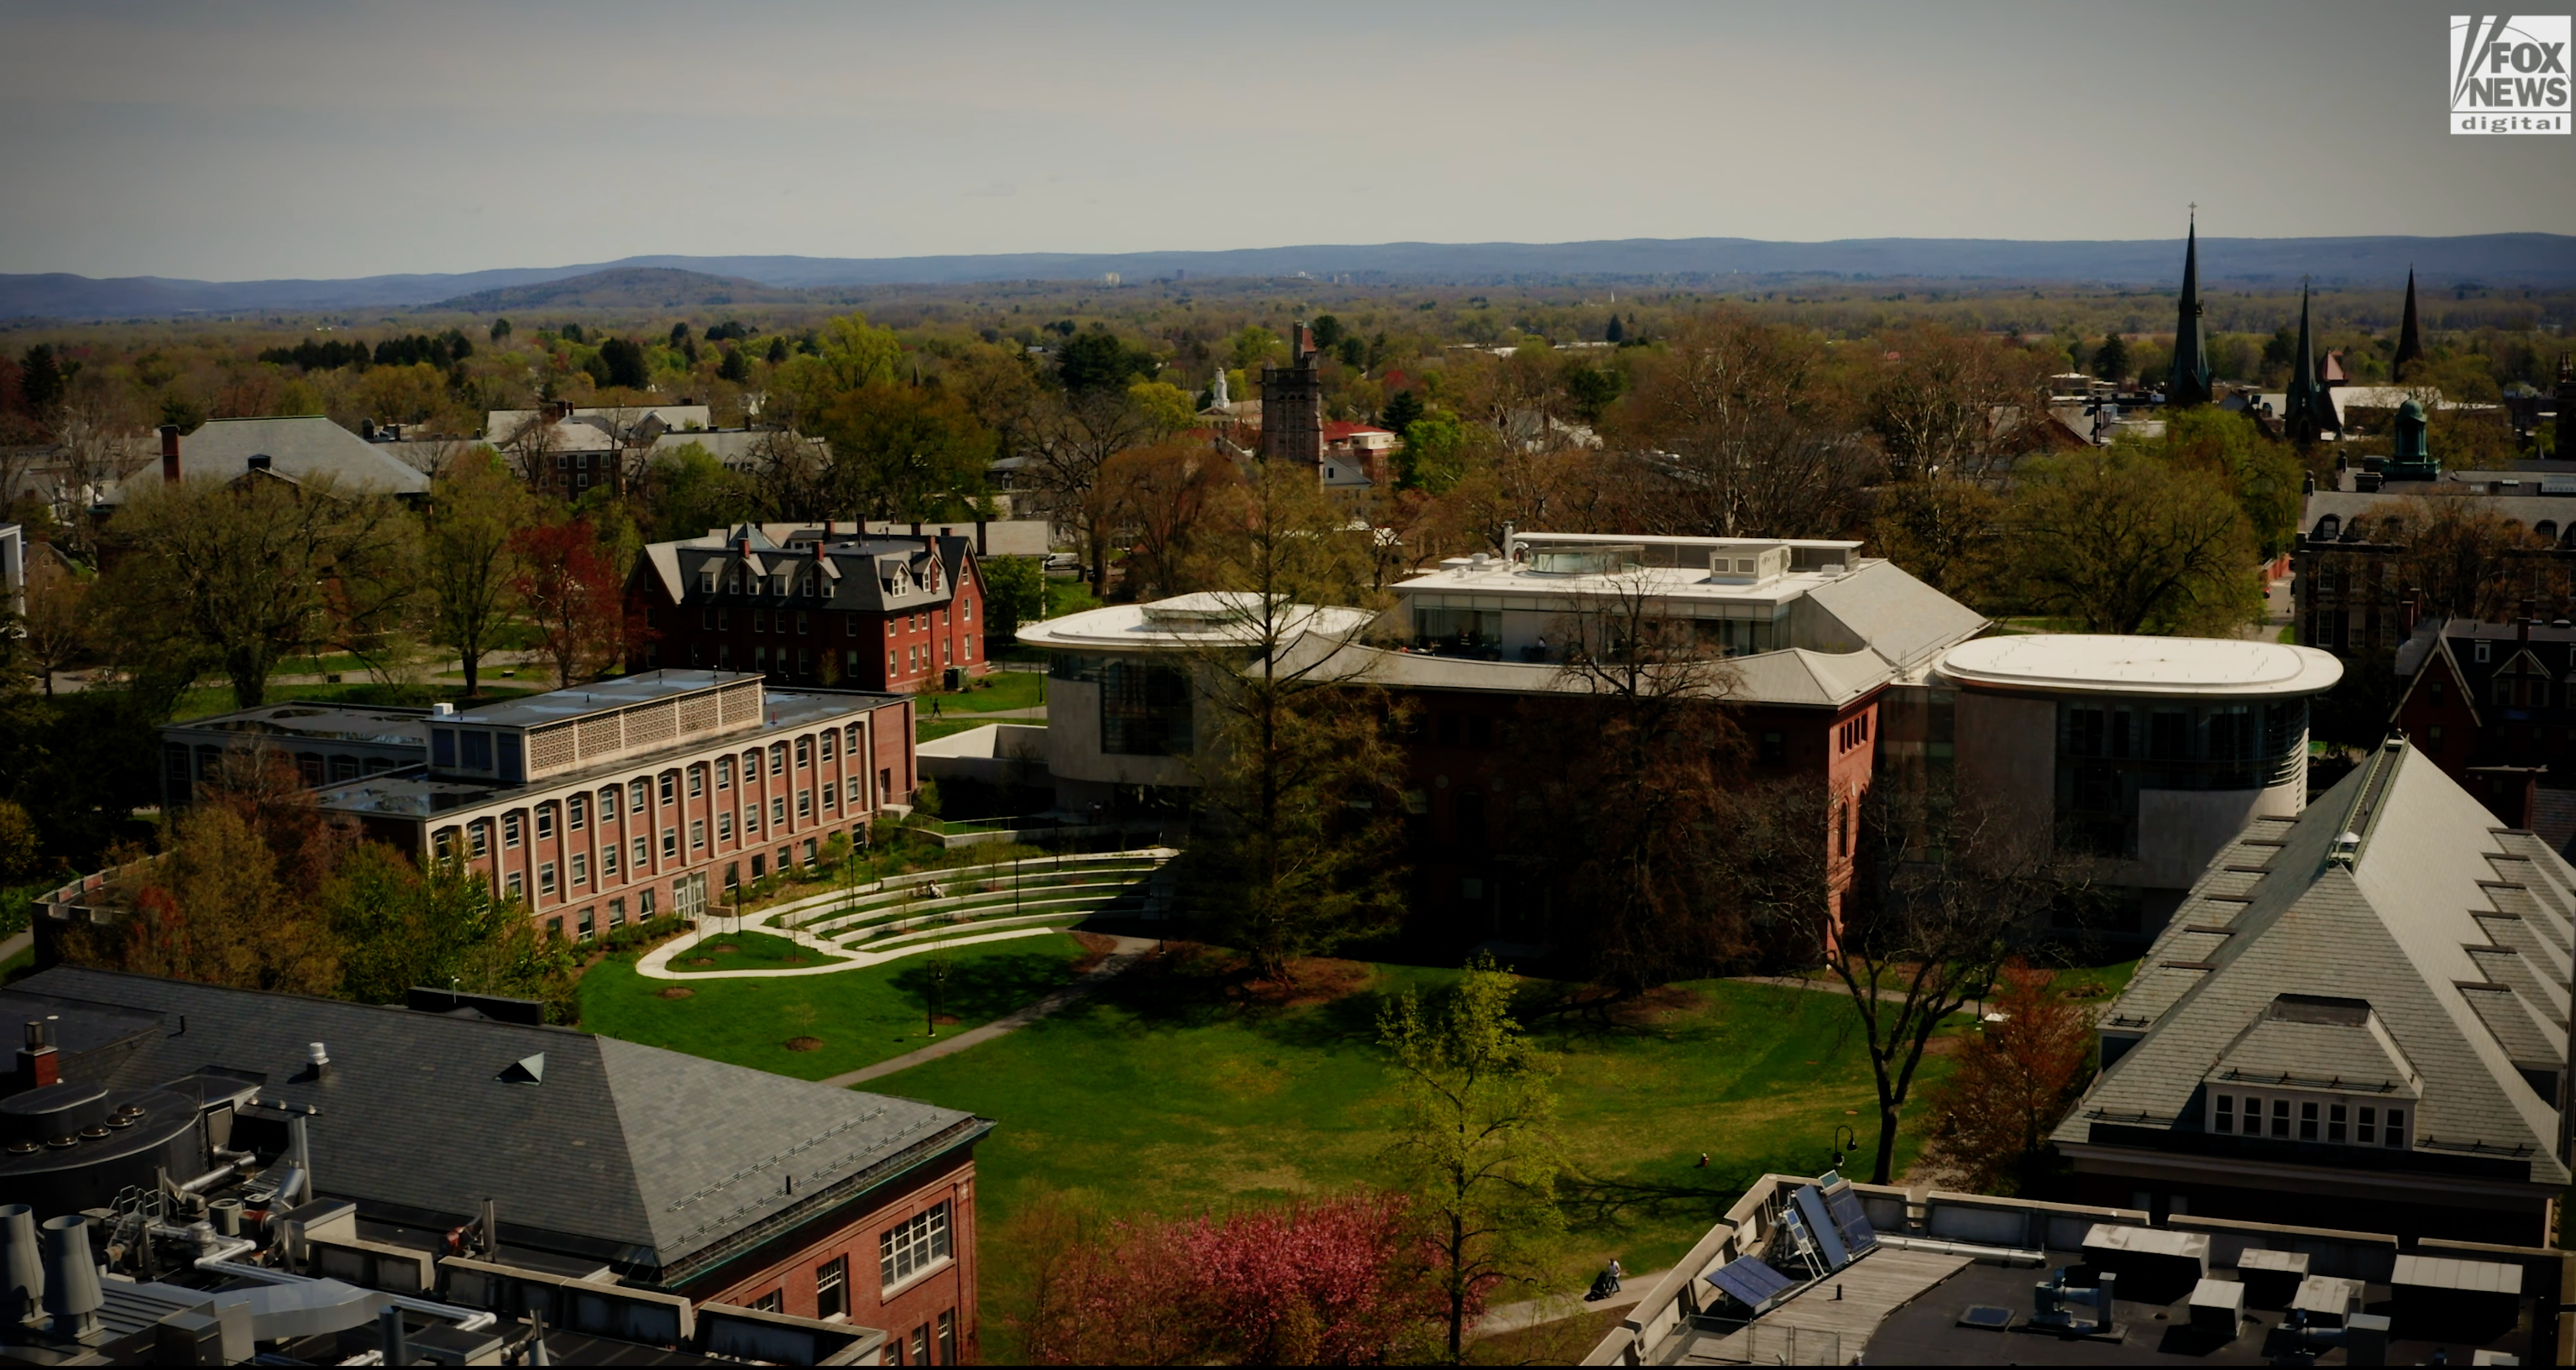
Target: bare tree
point(96, 437)
point(1943, 888)
point(1743, 434)
point(1066, 453)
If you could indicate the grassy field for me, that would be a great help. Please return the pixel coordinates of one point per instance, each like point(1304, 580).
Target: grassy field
point(1000, 690)
point(742, 951)
point(1162, 1094)
point(855, 1017)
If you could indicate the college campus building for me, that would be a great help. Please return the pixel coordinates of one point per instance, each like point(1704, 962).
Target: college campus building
point(2494, 705)
point(2147, 753)
point(473, 1170)
point(2363, 1008)
point(328, 743)
point(815, 605)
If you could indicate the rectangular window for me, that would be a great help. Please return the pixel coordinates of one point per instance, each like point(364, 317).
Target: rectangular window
point(510, 829)
point(800, 624)
point(2394, 1135)
point(697, 833)
point(545, 878)
point(724, 826)
point(948, 1336)
point(751, 818)
point(697, 780)
point(643, 852)
point(442, 746)
point(616, 913)
point(1145, 710)
point(2366, 1131)
point(804, 752)
point(577, 813)
point(670, 787)
point(778, 758)
point(831, 797)
point(514, 885)
point(2281, 1118)
point(581, 868)
point(478, 750)
point(921, 1344)
point(775, 1301)
point(832, 1288)
point(778, 809)
point(830, 737)
point(636, 793)
point(445, 843)
point(804, 803)
point(589, 925)
point(480, 835)
point(545, 820)
point(2335, 1122)
point(2307, 1122)
point(644, 906)
point(724, 774)
point(608, 861)
point(670, 844)
point(891, 668)
point(2225, 1118)
point(914, 1245)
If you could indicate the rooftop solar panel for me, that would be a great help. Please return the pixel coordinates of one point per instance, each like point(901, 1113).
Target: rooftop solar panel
point(1752, 1282)
point(1843, 1205)
point(1810, 1205)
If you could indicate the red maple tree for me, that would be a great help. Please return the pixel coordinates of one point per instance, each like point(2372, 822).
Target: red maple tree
point(2014, 1079)
point(572, 596)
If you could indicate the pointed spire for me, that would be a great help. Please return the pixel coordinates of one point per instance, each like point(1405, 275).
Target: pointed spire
point(2188, 382)
point(2410, 336)
point(2307, 414)
point(2566, 446)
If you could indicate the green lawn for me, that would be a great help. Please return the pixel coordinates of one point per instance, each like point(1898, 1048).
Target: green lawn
point(749, 951)
point(1158, 1094)
point(860, 1016)
point(1000, 690)
point(927, 727)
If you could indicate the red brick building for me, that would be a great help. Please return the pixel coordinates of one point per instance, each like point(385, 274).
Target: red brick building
point(815, 605)
point(643, 796)
point(2494, 706)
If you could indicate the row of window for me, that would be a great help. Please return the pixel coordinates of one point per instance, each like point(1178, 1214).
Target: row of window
point(2308, 1120)
point(909, 1248)
point(1851, 733)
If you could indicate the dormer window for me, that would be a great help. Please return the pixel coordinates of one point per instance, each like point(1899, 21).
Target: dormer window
point(707, 581)
point(2482, 649)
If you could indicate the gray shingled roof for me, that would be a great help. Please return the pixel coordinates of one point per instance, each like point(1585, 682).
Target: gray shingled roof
point(1885, 610)
point(660, 1154)
point(2408, 928)
point(300, 448)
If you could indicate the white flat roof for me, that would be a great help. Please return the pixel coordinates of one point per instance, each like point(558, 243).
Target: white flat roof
point(2107, 664)
point(1197, 620)
point(1556, 589)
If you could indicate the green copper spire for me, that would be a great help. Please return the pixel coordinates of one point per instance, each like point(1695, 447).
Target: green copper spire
point(2410, 336)
point(2189, 382)
point(2308, 413)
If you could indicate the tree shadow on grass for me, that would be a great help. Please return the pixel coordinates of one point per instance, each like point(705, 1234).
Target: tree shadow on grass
point(985, 987)
point(1592, 1201)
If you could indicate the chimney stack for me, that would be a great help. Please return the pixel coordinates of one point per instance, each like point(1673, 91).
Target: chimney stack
point(170, 454)
point(39, 1064)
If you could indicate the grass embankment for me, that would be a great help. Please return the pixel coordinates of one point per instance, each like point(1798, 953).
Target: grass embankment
point(983, 695)
point(742, 951)
point(811, 1026)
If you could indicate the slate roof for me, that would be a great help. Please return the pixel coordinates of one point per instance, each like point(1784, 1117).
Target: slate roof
point(630, 1153)
point(1888, 611)
point(853, 565)
point(2455, 932)
point(301, 449)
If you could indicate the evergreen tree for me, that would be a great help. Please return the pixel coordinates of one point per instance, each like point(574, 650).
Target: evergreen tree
point(777, 350)
point(40, 380)
point(1401, 410)
point(679, 333)
point(500, 329)
point(2111, 359)
point(735, 366)
point(1614, 332)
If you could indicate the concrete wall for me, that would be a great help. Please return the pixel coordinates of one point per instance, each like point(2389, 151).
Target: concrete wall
point(2020, 1223)
point(2180, 830)
point(1073, 743)
point(995, 754)
point(2007, 754)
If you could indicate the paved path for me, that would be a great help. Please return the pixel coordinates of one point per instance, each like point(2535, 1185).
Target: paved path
point(1129, 951)
point(17, 944)
point(983, 715)
point(1885, 996)
point(1512, 1317)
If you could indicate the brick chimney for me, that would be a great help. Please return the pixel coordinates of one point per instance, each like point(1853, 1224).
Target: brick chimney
point(39, 1064)
point(170, 454)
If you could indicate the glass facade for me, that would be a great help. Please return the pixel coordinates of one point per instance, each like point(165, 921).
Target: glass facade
point(2108, 750)
point(1144, 710)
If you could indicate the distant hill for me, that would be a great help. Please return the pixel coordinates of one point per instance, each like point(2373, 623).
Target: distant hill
point(2495, 259)
point(624, 287)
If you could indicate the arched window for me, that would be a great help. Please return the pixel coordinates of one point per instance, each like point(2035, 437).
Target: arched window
point(2547, 528)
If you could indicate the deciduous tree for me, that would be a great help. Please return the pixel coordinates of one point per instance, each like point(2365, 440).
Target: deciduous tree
point(1475, 1138)
point(476, 510)
point(571, 596)
point(2013, 1080)
point(2124, 542)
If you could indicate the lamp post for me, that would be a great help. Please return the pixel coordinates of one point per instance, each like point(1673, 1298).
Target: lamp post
point(1846, 1142)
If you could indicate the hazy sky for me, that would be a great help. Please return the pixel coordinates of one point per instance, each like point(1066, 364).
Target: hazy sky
point(245, 140)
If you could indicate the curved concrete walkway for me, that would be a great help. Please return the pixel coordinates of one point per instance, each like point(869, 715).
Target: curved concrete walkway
point(1129, 951)
point(656, 964)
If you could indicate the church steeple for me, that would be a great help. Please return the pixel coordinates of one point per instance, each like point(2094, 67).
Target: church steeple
point(2307, 413)
point(2410, 336)
point(2188, 383)
point(2566, 446)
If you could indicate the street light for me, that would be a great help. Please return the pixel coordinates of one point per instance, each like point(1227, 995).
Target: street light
point(1846, 1142)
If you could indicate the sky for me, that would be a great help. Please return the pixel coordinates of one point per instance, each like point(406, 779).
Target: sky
point(255, 140)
